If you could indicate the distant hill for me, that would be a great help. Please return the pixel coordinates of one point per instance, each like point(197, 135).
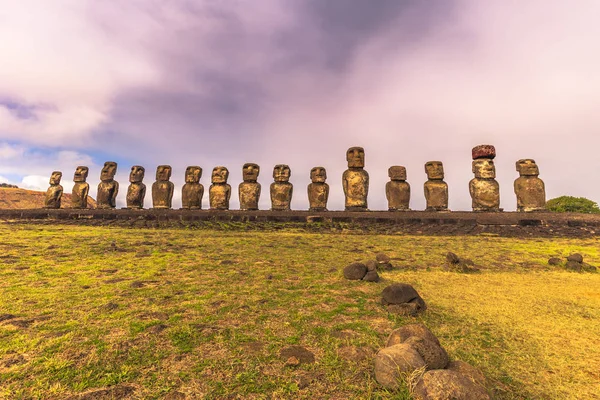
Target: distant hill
point(14, 198)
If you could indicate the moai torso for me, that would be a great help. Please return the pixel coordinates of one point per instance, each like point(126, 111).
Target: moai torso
point(192, 191)
point(136, 190)
point(108, 188)
point(281, 189)
point(81, 188)
point(54, 192)
point(397, 190)
point(484, 189)
point(436, 190)
point(530, 190)
point(249, 190)
point(162, 189)
point(318, 190)
point(355, 180)
point(219, 192)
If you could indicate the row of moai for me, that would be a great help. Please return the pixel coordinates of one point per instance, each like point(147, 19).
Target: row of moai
point(484, 189)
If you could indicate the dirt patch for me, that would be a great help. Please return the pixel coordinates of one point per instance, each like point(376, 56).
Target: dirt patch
point(6, 317)
point(302, 354)
point(108, 271)
point(156, 329)
point(115, 392)
point(355, 354)
point(14, 360)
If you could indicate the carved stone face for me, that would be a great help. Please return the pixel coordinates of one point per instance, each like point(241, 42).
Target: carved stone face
point(55, 178)
point(108, 171)
point(81, 174)
point(193, 174)
point(281, 173)
point(397, 173)
point(527, 167)
point(434, 170)
point(355, 157)
point(219, 175)
point(137, 174)
point(163, 173)
point(484, 169)
point(250, 172)
point(318, 175)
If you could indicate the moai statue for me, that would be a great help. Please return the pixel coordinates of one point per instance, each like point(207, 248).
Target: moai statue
point(355, 180)
point(54, 192)
point(108, 187)
point(281, 189)
point(436, 190)
point(484, 189)
point(318, 190)
point(193, 190)
point(79, 195)
point(162, 189)
point(219, 192)
point(249, 190)
point(136, 190)
point(530, 190)
point(397, 190)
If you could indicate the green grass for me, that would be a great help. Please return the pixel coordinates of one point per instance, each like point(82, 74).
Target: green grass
point(206, 312)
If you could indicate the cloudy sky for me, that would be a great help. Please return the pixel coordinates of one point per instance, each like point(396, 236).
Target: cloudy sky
point(190, 82)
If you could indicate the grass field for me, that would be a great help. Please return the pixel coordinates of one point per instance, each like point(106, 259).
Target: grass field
point(172, 313)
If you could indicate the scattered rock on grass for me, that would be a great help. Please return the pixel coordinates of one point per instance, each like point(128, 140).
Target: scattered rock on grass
point(554, 261)
point(355, 271)
point(575, 257)
point(396, 362)
point(399, 335)
point(402, 298)
point(443, 384)
point(383, 262)
point(457, 264)
point(432, 353)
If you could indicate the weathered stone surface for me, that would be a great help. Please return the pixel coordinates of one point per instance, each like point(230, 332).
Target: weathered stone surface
point(467, 370)
point(54, 192)
point(163, 188)
point(393, 363)
point(108, 188)
point(401, 334)
point(529, 189)
point(136, 190)
point(406, 309)
point(371, 276)
point(432, 353)
point(443, 384)
point(484, 189)
point(192, 191)
point(249, 190)
point(219, 192)
point(574, 266)
point(355, 180)
point(575, 257)
point(554, 261)
point(355, 271)
point(81, 188)
point(281, 190)
point(483, 151)
point(397, 190)
point(318, 190)
point(452, 258)
point(398, 293)
point(436, 190)
point(371, 265)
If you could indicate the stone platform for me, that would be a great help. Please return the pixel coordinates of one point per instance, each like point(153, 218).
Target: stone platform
point(542, 224)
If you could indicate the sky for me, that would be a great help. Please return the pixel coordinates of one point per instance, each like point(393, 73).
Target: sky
point(298, 82)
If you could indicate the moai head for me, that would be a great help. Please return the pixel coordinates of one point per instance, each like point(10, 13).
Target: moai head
point(219, 175)
point(397, 173)
point(355, 157)
point(108, 171)
point(81, 174)
point(137, 174)
point(483, 168)
point(527, 167)
point(163, 173)
point(281, 173)
point(434, 170)
point(193, 174)
point(318, 175)
point(55, 178)
point(250, 172)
